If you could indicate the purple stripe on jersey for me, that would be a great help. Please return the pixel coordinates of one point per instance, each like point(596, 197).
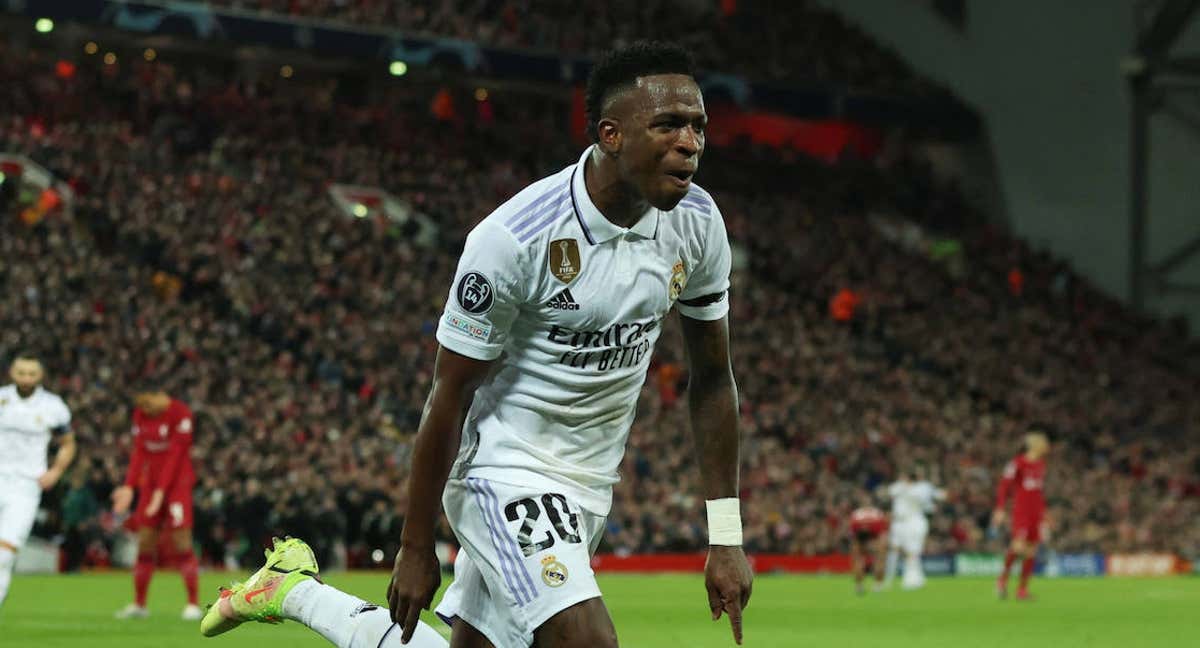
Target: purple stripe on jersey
point(512, 546)
point(538, 214)
point(549, 220)
point(699, 206)
point(506, 566)
point(533, 205)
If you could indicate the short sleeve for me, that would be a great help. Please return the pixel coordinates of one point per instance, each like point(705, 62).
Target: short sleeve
point(62, 418)
point(183, 420)
point(485, 296)
point(706, 295)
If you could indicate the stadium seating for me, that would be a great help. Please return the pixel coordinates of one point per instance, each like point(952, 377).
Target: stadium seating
point(202, 248)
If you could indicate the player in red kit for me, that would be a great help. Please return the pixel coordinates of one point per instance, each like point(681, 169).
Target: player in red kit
point(868, 533)
point(161, 471)
point(1022, 479)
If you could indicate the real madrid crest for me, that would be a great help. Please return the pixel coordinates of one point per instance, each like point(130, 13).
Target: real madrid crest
point(564, 259)
point(678, 281)
point(554, 573)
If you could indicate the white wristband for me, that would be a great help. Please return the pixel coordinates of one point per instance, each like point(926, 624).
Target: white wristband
point(724, 522)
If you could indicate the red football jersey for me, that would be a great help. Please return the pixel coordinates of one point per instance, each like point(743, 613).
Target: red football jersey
point(161, 448)
point(1023, 480)
point(868, 519)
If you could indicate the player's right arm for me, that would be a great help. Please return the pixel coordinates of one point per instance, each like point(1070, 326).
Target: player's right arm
point(1007, 481)
point(122, 496)
point(416, 574)
point(488, 289)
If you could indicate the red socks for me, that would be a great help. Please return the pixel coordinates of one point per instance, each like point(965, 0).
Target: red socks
point(1009, 559)
point(189, 568)
point(142, 571)
point(1026, 572)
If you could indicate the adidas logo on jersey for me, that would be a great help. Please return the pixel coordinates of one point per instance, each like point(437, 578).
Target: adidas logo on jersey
point(563, 301)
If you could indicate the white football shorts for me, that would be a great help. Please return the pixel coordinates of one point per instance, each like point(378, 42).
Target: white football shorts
point(19, 501)
point(909, 535)
point(526, 556)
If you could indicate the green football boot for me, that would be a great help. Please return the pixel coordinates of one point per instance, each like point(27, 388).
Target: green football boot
point(260, 598)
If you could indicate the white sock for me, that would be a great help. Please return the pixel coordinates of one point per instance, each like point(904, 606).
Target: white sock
point(914, 575)
point(7, 558)
point(350, 622)
point(893, 561)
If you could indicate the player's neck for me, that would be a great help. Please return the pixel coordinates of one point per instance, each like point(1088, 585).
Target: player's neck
point(26, 392)
point(615, 200)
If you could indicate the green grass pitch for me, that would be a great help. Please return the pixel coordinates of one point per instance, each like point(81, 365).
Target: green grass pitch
point(652, 611)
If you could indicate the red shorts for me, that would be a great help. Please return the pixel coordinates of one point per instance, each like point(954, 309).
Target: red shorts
point(1027, 528)
point(175, 512)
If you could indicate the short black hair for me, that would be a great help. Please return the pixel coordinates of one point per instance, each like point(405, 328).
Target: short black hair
point(622, 67)
point(26, 354)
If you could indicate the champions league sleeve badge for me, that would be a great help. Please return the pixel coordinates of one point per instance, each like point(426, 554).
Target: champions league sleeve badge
point(475, 293)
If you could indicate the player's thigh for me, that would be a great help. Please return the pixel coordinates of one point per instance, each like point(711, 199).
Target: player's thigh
point(181, 540)
point(18, 508)
point(147, 539)
point(583, 625)
point(526, 557)
point(464, 635)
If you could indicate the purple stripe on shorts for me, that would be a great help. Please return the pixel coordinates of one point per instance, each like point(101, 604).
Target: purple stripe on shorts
point(537, 212)
point(532, 205)
point(540, 226)
point(506, 566)
point(487, 486)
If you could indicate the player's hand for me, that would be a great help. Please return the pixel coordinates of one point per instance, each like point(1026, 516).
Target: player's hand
point(122, 497)
point(728, 579)
point(49, 479)
point(998, 518)
point(156, 499)
point(416, 576)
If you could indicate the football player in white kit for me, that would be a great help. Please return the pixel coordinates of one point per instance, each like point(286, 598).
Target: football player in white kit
point(912, 498)
point(30, 417)
point(546, 336)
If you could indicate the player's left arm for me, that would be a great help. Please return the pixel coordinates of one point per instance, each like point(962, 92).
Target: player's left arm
point(713, 403)
point(65, 439)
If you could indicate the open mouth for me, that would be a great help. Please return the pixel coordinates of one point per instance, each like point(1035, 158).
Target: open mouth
point(681, 177)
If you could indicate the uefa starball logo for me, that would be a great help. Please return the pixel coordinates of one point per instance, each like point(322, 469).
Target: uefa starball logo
point(475, 293)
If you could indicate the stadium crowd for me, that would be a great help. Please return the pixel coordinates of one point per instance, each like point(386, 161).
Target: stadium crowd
point(202, 249)
point(768, 40)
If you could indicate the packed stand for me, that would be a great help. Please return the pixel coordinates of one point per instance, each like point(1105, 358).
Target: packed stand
point(202, 248)
point(767, 40)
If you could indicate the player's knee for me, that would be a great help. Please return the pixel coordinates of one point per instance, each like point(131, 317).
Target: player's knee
point(5, 546)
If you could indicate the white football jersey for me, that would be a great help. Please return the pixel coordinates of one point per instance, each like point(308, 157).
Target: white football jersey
point(570, 306)
point(26, 425)
point(912, 499)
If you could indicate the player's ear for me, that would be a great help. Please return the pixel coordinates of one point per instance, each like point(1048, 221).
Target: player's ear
point(608, 136)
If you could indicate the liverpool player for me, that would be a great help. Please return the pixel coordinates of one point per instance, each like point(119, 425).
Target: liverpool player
point(868, 530)
point(1022, 479)
point(161, 471)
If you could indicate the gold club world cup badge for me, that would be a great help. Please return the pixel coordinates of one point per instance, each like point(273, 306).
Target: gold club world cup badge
point(564, 259)
point(678, 280)
point(554, 573)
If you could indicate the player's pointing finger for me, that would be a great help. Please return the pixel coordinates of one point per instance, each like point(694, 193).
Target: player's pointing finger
point(734, 609)
point(409, 625)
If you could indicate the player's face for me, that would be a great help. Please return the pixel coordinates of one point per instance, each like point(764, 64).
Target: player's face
point(26, 374)
point(662, 137)
point(1038, 446)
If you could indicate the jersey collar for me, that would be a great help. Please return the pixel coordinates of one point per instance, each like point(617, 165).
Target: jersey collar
point(597, 228)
